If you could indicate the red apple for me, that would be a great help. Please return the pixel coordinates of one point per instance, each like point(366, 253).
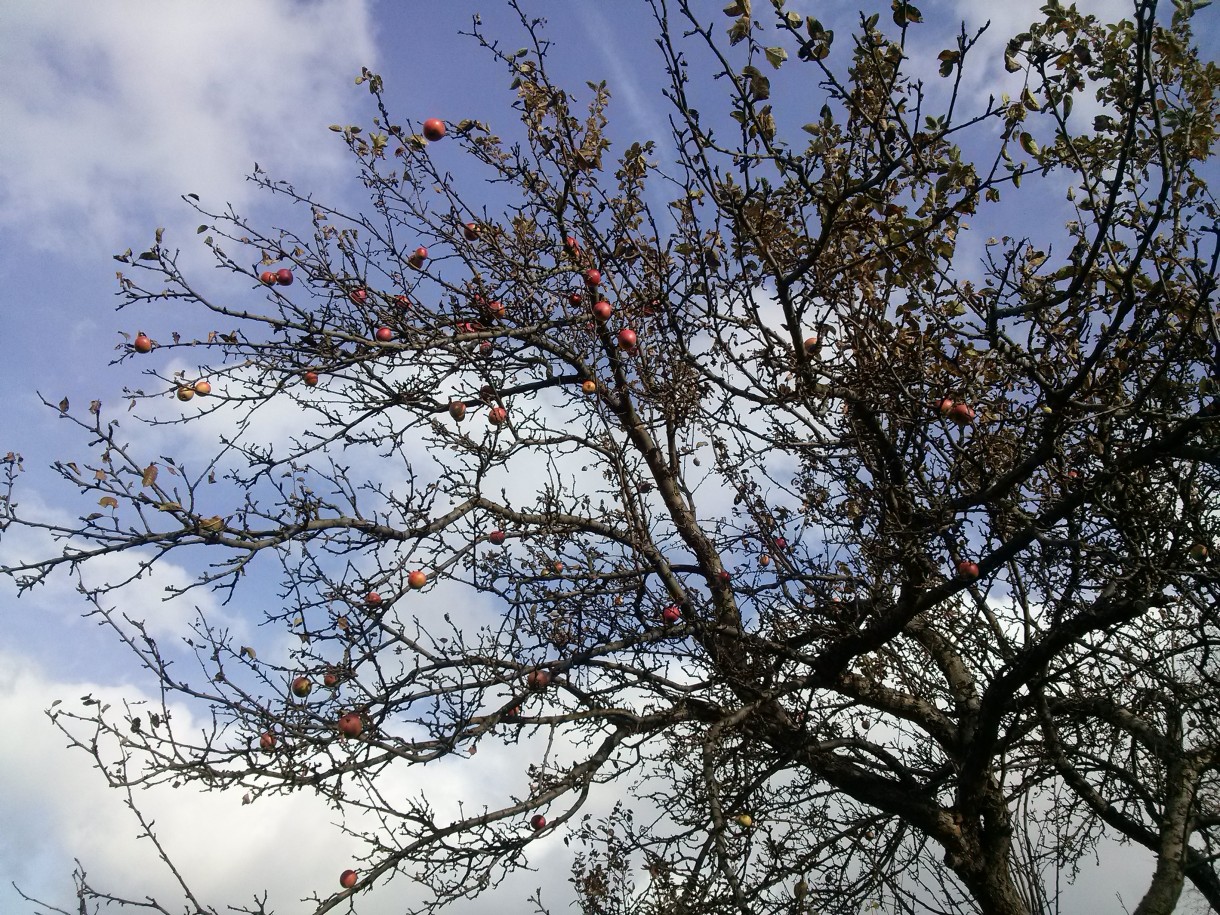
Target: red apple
point(402, 301)
point(497, 309)
point(487, 394)
point(671, 615)
point(350, 725)
point(384, 335)
point(537, 822)
point(538, 680)
point(572, 245)
point(267, 277)
point(310, 378)
point(811, 345)
point(142, 343)
point(944, 405)
point(434, 128)
point(589, 386)
point(627, 339)
point(602, 310)
point(593, 278)
point(203, 388)
point(575, 298)
point(471, 231)
point(267, 740)
point(967, 569)
point(283, 276)
point(724, 576)
point(457, 409)
point(359, 296)
point(497, 416)
point(961, 414)
point(348, 879)
point(331, 678)
point(417, 579)
point(496, 537)
point(301, 687)
point(780, 543)
point(372, 599)
point(764, 560)
point(185, 393)
point(416, 260)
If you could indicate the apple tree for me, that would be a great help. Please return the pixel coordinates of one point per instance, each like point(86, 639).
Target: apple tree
point(804, 535)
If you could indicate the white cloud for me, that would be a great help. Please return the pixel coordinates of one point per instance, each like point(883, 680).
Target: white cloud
point(111, 109)
point(56, 807)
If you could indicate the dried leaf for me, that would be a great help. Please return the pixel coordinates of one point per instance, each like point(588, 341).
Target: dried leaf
point(150, 475)
point(108, 502)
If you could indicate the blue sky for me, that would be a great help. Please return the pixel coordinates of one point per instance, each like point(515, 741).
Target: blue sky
point(111, 112)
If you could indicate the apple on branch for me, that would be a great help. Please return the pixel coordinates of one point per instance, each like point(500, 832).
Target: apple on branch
point(968, 570)
point(538, 680)
point(350, 725)
point(434, 129)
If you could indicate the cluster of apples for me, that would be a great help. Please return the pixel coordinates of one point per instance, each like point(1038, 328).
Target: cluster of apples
point(628, 339)
point(143, 344)
point(281, 277)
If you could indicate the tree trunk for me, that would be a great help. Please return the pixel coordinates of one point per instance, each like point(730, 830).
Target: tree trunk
point(1170, 873)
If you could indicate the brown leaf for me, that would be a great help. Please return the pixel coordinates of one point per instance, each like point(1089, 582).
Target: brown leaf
point(108, 502)
point(150, 475)
point(63, 405)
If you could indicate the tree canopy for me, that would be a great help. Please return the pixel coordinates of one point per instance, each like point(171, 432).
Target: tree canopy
point(736, 476)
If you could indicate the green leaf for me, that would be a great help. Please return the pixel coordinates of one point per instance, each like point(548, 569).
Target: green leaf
point(739, 30)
